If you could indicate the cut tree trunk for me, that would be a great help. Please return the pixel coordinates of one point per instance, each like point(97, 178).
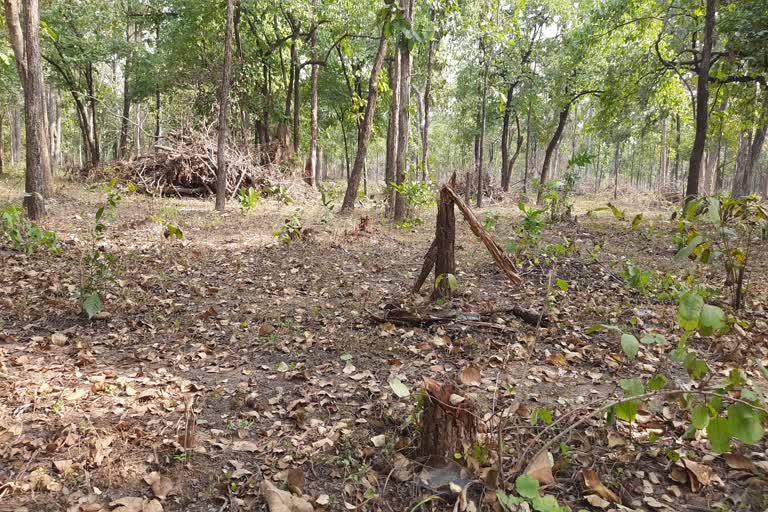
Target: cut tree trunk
point(445, 243)
point(446, 428)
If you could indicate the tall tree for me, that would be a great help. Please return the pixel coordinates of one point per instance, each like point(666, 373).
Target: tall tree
point(226, 79)
point(404, 114)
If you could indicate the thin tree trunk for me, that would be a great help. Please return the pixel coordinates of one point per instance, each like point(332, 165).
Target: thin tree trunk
point(364, 134)
point(226, 79)
point(702, 103)
point(563, 118)
point(483, 123)
point(427, 93)
point(527, 149)
point(311, 168)
point(390, 164)
point(616, 160)
point(404, 117)
point(124, 125)
point(14, 127)
point(34, 197)
point(2, 145)
point(663, 154)
point(505, 167)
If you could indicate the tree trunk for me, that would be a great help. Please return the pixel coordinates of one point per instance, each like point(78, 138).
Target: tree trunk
point(505, 167)
point(676, 169)
point(663, 155)
point(702, 104)
point(364, 134)
point(445, 241)
point(296, 111)
point(390, 163)
point(404, 117)
point(311, 167)
point(2, 145)
point(226, 79)
point(34, 197)
point(124, 126)
point(483, 123)
point(427, 92)
point(616, 160)
point(14, 127)
point(527, 149)
point(563, 118)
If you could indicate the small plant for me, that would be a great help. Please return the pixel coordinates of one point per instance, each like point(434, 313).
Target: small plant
point(26, 236)
point(290, 231)
point(530, 229)
point(277, 192)
point(96, 265)
point(722, 230)
point(490, 220)
point(166, 219)
point(527, 488)
point(248, 199)
point(328, 197)
point(417, 194)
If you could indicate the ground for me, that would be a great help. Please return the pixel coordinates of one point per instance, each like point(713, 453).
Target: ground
point(229, 357)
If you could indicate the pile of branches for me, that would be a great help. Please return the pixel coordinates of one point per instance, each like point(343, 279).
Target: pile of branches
point(184, 164)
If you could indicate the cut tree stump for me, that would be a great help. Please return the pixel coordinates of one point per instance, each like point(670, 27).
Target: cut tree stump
point(448, 422)
point(445, 241)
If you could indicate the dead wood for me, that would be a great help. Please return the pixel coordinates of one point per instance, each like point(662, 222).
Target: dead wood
point(498, 254)
point(426, 268)
point(401, 316)
point(449, 424)
point(445, 241)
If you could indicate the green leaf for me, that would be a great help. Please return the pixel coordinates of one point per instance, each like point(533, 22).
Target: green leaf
point(616, 212)
point(92, 305)
point(763, 369)
point(719, 435)
point(400, 389)
point(527, 486)
point(712, 319)
point(688, 249)
point(700, 417)
point(345, 357)
point(636, 221)
point(563, 285)
point(689, 310)
point(545, 504)
point(632, 387)
point(653, 339)
point(630, 346)
point(744, 423)
point(595, 328)
point(657, 382)
point(508, 502)
point(627, 411)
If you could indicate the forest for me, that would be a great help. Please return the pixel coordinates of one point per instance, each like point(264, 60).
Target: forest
point(383, 255)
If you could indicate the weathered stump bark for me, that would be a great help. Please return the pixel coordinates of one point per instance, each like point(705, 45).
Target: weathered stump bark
point(426, 268)
point(446, 428)
point(445, 241)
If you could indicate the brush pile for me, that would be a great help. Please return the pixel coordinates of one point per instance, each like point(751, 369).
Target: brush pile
point(184, 164)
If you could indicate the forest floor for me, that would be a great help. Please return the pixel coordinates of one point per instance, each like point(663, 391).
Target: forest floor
point(229, 357)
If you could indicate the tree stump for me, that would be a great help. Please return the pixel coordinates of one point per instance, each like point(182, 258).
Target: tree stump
point(445, 241)
point(448, 423)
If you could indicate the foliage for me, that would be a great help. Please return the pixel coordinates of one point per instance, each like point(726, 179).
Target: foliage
point(26, 236)
point(248, 199)
point(290, 230)
point(97, 264)
point(277, 192)
point(490, 220)
point(417, 194)
point(721, 230)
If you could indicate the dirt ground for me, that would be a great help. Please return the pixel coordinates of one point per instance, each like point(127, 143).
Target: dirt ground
point(228, 357)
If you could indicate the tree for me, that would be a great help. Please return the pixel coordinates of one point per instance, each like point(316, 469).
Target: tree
point(226, 79)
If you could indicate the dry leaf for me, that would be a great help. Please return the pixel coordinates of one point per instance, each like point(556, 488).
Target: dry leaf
point(133, 504)
point(597, 501)
point(470, 376)
point(557, 360)
point(283, 501)
point(161, 485)
point(323, 500)
point(593, 483)
point(736, 461)
point(615, 439)
point(540, 468)
point(295, 480)
point(379, 441)
point(244, 446)
point(701, 475)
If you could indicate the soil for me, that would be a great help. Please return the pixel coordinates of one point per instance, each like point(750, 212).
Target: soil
point(229, 357)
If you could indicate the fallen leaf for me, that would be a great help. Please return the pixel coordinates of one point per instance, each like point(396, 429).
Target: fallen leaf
point(400, 389)
point(296, 480)
point(736, 461)
point(379, 441)
point(161, 485)
point(244, 446)
point(540, 468)
point(323, 500)
point(557, 360)
point(283, 501)
point(470, 376)
point(593, 483)
point(701, 475)
point(597, 501)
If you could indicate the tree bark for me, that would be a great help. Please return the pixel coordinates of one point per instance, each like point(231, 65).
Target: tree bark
point(34, 197)
point(431, 48)
point(445, 238)
point(226, 79)
point(311, 167)
point(2, 145)
point(404, 116)
point(616, 161)
point(505, 167)
point(122, 142)
point(663, 154)
point(702, 104)
point(364, 134)
point(14, 127)
point(563, 118)
point(390, 164)
point(483, 123)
